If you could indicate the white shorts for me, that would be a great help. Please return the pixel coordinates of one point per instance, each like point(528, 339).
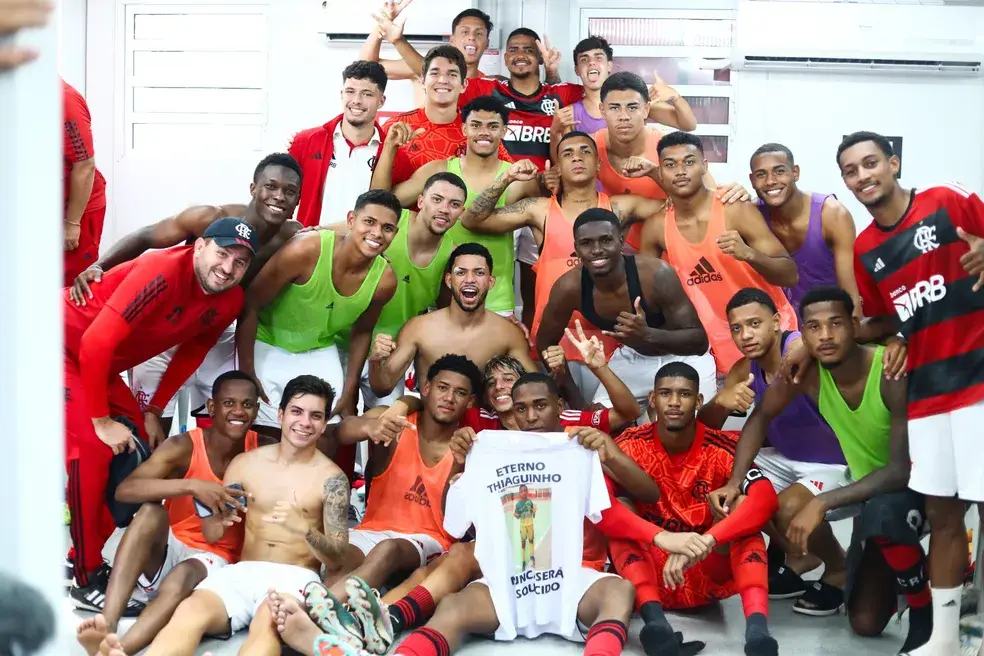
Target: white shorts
point(145, 377)
point(176, 553)
point(945, 450)
point(638, 372)
point(368, 397)
point(426, 546)
point(276, 367)
point(243, 587)
point(814, 476)
point(587, 578)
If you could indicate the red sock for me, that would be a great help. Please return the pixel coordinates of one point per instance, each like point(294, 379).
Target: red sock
point(632, 564)
point(750, 568)
point(606, 639)
point(413, 610)
point(909, 564)
point(424, 642)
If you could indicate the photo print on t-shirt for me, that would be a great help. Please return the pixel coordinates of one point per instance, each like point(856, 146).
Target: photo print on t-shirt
point(527, 511)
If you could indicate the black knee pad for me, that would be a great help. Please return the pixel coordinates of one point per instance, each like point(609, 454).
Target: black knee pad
point(899, 517)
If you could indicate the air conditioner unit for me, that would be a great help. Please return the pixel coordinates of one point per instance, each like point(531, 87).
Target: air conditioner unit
point(427, 21)
point(858, 38)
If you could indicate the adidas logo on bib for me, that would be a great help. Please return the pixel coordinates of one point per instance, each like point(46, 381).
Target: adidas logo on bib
point(703, 273)
point(418, 493)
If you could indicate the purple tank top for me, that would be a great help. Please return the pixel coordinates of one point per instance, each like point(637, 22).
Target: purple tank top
point(587, 122)
point(799, 432)
point(814, 259)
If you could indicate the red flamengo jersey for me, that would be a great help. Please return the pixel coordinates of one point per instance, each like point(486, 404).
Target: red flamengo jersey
point(77, 145)
point(479, 420)
point(913, 271)
point(682, 505)
point(160, 298)
point(437, 142)
point(528, 130)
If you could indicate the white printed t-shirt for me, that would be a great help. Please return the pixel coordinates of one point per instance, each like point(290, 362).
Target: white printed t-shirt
point(527, 495)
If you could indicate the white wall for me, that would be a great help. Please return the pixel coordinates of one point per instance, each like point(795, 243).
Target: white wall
point(70, 20)
point(940, 120)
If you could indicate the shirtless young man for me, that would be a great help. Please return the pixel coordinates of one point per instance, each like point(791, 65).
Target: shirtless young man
point(815, 229)
point(284, 330)
point(637, 300)
point(464, 327)
point(484, 120)
point(162, 554)
point(715, 248)
point(401, 530)
point(275, 191)
point(296, 519)
point(470, 31)
point(419, 256)
point(867, 411)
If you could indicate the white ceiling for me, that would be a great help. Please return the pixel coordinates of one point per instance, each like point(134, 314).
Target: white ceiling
point(960, 3)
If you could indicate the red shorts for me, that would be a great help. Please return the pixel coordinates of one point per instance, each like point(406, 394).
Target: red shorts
point(87, 252)
point(706, 582)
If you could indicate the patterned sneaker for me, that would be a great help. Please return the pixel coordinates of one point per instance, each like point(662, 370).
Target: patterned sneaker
point(329, 645)
point(331, 615)
point(372, 613)
point(93, 596)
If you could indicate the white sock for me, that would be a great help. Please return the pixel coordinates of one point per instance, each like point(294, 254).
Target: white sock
point(946, 617)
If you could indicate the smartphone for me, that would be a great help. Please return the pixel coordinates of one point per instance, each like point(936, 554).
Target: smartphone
point(201, 509)
point(241, 499)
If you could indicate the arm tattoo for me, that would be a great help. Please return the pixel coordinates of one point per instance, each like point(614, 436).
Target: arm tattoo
point(482, 206)
point(330, 546)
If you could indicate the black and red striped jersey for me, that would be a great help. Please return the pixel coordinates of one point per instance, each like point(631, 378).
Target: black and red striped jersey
point(912, 270)
point(528, 128)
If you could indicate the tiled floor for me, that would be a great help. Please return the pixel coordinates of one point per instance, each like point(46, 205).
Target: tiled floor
point(721, 628)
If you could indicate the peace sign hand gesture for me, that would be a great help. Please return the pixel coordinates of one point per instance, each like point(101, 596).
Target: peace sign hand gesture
point(591, 349)
point(973, 260)
point(550, 56)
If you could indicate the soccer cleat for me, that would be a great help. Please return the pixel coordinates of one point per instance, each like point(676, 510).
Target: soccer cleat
point(331, 615)
point(377, 630)
point(331, 645)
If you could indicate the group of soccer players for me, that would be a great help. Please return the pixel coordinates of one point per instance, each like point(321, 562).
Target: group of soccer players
point(651, 307)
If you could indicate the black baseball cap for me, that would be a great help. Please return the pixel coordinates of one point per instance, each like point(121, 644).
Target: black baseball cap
point(232, 231)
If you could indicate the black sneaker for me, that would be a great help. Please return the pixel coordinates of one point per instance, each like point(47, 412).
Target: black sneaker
point(784, 583)
point(69, 574)
point(920, 628)
point(93, 596)
point(820, 600)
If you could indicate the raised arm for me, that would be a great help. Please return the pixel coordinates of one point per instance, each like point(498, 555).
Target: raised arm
point(289, 264)
point(408, 192)
point(331, 545)
point(360, 341)
point(749, 240)
point(483, 216)
point(172, 231)
point(397, 134)
point(716, 411)
point(669, 107)
point(839, 231)
point(389, 360)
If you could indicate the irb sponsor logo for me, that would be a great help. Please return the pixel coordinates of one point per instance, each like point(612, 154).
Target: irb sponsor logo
point(909, 301)
point(527, 133)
